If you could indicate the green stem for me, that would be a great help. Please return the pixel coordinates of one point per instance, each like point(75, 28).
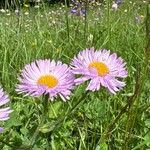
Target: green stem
point(45, 110)
point(61, 120)
point(67, 20)
point(85, 20)
point(142, 79)
point(124, 109)
point(138, 87)
point(108, 16)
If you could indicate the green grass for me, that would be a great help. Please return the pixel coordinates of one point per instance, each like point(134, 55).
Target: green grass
point(52, 32)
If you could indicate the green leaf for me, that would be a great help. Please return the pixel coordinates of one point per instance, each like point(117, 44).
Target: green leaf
point(103, 146)
point(14, 120)
point(24, 131)
point(54, 109)
point(47, 127)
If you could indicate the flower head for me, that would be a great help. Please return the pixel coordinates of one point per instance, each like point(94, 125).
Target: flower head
point(101, 68)
point(46, 77)
point(78, 9)
point(4, 112)
point(114, 6)
point(118, 2)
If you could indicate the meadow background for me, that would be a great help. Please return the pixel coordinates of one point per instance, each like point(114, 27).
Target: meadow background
point(51, 31)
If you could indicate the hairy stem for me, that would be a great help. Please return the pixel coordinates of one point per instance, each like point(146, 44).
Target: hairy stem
point(45, 110)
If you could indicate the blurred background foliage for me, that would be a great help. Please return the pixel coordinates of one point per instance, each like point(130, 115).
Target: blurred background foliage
point(13, 4)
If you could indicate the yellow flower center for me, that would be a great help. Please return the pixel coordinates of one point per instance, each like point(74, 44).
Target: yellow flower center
point(100, 67)
point(47, 80)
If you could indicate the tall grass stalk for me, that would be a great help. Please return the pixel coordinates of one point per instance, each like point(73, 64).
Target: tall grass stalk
point(67, 20)
point(86, 19)
point(142, 75)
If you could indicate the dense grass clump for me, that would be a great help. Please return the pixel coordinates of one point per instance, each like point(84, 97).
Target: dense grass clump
point(89, 120)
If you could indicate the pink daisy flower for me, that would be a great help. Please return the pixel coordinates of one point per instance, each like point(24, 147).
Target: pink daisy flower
point(101, 68)
point(4, 112)
point(46, 77)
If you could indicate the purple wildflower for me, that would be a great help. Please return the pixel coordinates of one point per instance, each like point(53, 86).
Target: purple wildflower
point(101, 68)
point(4, 112)
point(46, 77)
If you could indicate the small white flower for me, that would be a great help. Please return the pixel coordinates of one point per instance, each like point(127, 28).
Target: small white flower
point(27, 25)
point(16, 11)
point(53, 22)
point(26, 13)
point(114, 6)
point(36, 6)
point(125, 10)
point(2, 10)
